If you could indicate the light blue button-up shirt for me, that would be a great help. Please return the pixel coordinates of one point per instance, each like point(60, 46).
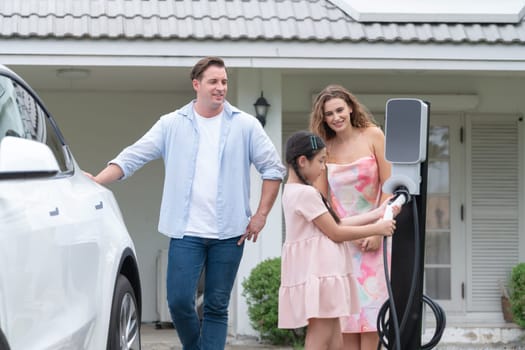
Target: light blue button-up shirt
point(175, 139)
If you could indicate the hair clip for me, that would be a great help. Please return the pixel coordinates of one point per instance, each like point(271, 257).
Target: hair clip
point(313, 142)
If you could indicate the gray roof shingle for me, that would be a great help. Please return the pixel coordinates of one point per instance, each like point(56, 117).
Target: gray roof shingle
point(226, 20)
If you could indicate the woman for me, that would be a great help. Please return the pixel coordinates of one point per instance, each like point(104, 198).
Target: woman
point(356, 170)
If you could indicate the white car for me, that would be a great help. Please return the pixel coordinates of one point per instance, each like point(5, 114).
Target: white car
point(69, 275)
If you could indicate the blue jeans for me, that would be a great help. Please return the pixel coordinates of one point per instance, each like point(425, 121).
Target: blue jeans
point(187, 257)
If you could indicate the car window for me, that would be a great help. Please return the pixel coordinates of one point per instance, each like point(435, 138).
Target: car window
point(22, 116)
point(10, 116)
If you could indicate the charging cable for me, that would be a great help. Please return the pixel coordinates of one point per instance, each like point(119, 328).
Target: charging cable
point(402, 196)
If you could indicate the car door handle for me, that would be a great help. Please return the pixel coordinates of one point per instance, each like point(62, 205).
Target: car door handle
point(99, 205)
point(54, 212)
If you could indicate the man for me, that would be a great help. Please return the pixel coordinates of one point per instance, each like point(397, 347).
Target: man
point(208, 147)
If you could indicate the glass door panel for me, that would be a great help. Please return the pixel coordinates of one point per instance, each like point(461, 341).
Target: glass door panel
point(443, 277)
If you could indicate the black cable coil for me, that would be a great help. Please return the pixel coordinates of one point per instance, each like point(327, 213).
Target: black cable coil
point(389, 306)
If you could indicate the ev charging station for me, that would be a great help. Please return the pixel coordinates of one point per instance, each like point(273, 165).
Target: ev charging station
point(406, 141)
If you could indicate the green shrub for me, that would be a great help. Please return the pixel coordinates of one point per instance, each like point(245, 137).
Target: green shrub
point(261, 290)
point(517, 293)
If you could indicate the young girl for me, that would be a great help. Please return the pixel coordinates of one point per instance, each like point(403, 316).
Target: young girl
point(317, 286)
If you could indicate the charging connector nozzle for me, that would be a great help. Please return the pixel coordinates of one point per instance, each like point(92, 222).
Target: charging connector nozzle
point(401, 196)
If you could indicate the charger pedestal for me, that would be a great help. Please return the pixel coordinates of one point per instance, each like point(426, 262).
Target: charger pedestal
point(406, 135)
point(402, 269)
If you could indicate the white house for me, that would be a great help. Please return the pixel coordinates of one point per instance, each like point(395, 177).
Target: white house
point(109, 68)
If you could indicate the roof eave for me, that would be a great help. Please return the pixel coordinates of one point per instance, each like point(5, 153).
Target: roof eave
point(264, 54)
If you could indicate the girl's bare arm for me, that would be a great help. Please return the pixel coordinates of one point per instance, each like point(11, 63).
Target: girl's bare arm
point(341, 233)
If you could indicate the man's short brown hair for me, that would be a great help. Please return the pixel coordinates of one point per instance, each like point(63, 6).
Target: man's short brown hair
point(203, 64)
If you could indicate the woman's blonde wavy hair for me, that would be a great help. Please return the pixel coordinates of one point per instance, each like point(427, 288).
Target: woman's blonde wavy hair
point(359, 118)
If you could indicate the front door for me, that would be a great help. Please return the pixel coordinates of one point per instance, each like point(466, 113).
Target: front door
point(445, 261)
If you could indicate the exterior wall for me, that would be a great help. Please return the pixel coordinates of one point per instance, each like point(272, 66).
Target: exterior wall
point(498, 92)
point(250, 84)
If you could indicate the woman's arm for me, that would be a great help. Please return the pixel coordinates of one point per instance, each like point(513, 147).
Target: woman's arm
point(385, 168)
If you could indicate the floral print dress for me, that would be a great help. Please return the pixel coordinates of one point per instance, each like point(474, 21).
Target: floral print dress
point(354, 189)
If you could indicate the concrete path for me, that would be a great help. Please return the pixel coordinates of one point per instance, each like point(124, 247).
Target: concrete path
point(167, 339)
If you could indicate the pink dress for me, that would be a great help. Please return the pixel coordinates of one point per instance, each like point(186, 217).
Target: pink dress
point(355, 189)
point(314, 282)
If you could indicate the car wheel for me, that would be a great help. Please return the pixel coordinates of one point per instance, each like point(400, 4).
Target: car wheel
point(3, 342)
point(124, 326)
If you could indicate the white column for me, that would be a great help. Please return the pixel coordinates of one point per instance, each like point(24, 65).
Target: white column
point(249, 83)
point(521, 201)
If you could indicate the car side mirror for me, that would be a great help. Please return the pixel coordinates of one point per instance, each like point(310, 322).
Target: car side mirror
point(21, 157)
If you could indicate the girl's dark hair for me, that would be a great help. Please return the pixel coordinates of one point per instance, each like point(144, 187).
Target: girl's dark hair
point(305, 143)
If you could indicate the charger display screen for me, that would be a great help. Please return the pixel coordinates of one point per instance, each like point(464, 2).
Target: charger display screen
point(403, 131)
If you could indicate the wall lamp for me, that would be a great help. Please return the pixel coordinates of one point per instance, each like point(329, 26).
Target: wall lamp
point(261, 109)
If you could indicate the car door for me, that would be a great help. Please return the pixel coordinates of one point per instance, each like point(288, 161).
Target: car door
point(49, 240)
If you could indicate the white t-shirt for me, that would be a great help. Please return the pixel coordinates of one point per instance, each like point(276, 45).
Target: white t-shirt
point(202, 221)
